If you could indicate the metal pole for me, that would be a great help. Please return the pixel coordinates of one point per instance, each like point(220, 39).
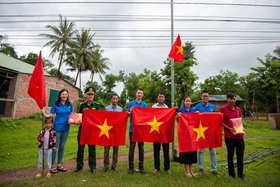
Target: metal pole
point(172, 70)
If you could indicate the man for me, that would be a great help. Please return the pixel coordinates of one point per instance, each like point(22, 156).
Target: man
point(232, 139)
point(116, 108)
point(205, 106)
point(88, 104)
point(165, 146)
point(136, 103)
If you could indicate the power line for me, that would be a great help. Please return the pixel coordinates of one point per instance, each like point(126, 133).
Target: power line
point(140, 2)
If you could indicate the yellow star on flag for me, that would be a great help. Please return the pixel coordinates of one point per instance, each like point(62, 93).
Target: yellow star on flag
point(155, 125)
point(200, 131)
point(104, 129)
point(180, 49)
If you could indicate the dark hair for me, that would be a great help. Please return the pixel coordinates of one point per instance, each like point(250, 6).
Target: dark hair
point(48, 119)
point(114, 95)
point(231, 95)
point(203, 91)
point(186, 97)
point(58, 99)
point(140, 89)
point(160, 93)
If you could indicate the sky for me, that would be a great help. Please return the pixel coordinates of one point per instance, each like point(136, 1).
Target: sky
point(227, 34)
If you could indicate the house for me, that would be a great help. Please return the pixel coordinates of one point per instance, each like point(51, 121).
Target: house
point(15, 75)
point(220, 100)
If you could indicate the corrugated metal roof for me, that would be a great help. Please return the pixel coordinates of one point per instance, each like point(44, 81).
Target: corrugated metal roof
point(223, 98)
point(14, 65)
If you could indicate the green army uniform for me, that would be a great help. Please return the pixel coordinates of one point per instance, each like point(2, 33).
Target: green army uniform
point(91, 148)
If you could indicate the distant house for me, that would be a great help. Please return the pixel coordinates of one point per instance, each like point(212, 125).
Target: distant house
point(220, 100)
point(14, 79)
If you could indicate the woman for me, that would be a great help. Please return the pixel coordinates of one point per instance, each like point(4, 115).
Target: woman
point(62, 108)
point(187, 158)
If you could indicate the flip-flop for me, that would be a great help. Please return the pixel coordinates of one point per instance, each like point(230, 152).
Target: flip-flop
point(39, 175)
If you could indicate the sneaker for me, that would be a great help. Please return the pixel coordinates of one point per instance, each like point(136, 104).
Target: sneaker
point(200, 171)
point(169, 172)
point(215, 173)
point(142, 171)
point(39, 175)
point(155, 171)
point(49, 175)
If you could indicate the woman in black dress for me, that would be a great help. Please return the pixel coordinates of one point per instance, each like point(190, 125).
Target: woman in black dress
point(187, 158)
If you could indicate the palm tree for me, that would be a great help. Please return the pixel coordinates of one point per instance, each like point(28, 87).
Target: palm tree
point(60, 39)
point(80, 53)
point(100, 66)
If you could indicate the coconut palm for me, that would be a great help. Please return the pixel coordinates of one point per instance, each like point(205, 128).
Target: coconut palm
point(81, 52)
point(60, 39)
point(100, 65)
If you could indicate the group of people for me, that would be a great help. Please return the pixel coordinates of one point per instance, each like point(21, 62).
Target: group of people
point(54, 139)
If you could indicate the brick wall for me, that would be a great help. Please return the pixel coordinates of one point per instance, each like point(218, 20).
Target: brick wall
point(26, 105)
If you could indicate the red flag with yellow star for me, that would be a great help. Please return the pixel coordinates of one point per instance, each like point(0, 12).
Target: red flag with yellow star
point(177, 52)
point(199, 130)
point(103, 128)
point(153, 124)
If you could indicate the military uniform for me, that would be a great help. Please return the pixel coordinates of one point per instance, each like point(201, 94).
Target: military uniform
point(91, 148)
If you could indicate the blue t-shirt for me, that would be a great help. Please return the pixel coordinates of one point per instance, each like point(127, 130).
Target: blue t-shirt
point(183, 110)
point(62, 113)
point(202, 108)
point(135, 103)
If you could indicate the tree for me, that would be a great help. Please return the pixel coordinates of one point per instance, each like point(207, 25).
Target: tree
point(223, 83)
point(100, 66)
point(7, 48)
point(269, 75)
point(60, 39)
point(81, 52)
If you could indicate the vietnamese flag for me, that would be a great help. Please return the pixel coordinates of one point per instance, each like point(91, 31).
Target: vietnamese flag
point(103, 128)
point(200, 130)
point(37, 87)
point(153, 124)
point(177, 51)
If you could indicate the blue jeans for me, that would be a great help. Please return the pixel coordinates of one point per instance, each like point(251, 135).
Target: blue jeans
point(61, 137)
point(212, 158)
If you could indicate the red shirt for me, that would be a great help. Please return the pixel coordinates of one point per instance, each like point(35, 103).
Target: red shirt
point(230, 114)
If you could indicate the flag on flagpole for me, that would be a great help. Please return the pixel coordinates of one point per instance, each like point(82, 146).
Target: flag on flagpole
point(105, 128)
point(37, 87)
point(197, 131)
point(177, 51)
point(153, 124)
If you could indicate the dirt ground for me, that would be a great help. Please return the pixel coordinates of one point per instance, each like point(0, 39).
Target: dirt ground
point(69, 166)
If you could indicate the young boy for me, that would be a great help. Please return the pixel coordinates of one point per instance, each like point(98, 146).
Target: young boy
point(47, 139)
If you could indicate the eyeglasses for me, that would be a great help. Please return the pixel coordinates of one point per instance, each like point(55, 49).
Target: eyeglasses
point(205, 96)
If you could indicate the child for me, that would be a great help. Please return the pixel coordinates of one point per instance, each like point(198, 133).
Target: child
point(187, 158)
point(47, 139)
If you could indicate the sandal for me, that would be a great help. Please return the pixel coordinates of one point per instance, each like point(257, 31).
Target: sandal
point(62, 169)
point(48, 175)
point(189, 175)
point(39, 175)
point(194, 174)
point(53, 170)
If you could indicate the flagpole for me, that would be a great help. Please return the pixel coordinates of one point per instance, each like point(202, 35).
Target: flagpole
point(172, 70)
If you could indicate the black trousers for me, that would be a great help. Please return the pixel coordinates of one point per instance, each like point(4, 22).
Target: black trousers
point(165, 147)
point(240, 146)
point(131, 153)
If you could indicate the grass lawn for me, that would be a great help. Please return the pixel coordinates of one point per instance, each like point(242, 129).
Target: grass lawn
point(18, 146)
